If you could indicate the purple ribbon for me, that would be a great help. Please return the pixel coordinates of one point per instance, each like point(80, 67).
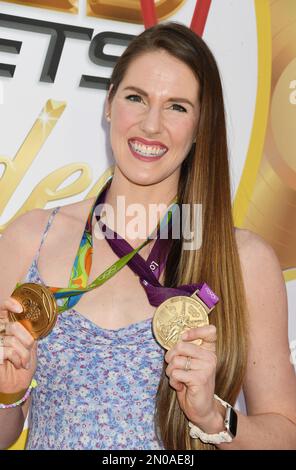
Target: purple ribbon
point(149, 271)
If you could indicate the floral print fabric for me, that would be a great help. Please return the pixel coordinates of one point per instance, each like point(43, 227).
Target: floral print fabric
point(96, 387)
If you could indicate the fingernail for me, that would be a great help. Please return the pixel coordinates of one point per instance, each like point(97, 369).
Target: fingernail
point(18, 308)
point(28, 365)
point(184, 335)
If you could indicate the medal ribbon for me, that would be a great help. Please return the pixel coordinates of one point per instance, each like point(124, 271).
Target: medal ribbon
point(149, 271)
point(82, 264)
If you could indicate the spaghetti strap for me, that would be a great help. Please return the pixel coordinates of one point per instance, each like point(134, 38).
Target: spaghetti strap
point(49, 222)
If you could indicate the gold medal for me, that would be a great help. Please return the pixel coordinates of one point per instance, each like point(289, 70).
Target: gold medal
point(176, 315)
point(39, 309)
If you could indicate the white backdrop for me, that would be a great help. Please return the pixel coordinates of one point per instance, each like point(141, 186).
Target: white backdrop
point(80, 135)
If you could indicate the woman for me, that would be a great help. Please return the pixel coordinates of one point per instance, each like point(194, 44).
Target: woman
point(100, 373)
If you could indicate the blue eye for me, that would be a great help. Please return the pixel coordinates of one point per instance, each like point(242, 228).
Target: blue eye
point(134, 98)
point(139, 99)
point(178, 107)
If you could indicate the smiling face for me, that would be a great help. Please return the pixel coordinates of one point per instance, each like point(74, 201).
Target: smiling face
point(154, 117)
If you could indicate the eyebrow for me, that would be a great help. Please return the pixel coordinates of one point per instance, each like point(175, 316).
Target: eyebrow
point(144, 93)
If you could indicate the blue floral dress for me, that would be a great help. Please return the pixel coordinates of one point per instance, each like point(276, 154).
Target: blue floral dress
point(96, 387)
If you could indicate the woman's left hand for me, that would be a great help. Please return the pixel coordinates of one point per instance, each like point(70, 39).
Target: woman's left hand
point(191, 371)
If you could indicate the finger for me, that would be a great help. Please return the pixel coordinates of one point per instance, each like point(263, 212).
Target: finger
point(207, 333)
point(9, 354)
point(177, 380)
point(23, 353)
point(3, 314)
point(183, 348)
point(176, 384)
point(189, 378)
point(20, 332)
point(208, 362)
point(9, 305)
point(12, 305)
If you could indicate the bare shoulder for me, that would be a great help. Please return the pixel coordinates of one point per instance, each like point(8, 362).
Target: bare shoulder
point(246, 239)
point(70, 220)
point(263, 278)
point(25, 232)
point(77, 211)
point(21, 240)
point(25, 227)
point(256, 254)
point(270, 381)
point(18, 244)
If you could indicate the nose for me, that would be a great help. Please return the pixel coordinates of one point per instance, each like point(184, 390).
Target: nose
point(152, 121)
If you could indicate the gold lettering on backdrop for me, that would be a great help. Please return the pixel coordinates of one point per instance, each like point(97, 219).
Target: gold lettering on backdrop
point(70, 6)
point(47, 189)
point(271, 205)
point(130, 10)
point(15, 169)
point(100, 183)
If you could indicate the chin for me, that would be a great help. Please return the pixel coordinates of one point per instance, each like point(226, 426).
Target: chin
point(141, 177)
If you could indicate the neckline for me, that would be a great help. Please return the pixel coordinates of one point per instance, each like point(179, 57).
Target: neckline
point(135, 325)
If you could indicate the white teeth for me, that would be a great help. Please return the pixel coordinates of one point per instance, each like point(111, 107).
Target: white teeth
point(147, 150)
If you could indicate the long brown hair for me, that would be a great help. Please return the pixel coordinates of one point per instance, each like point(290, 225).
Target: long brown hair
point(205, 180)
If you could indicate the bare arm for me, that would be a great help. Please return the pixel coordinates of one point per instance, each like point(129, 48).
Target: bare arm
point(17, 247)
point(18, 244)
point(11, 425)
point(270, 383)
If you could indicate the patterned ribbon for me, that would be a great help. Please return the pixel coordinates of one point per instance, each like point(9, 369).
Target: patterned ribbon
point(82, 264)
point(149, 271)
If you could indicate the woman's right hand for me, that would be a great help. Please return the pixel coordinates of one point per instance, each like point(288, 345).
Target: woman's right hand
point(18, 351)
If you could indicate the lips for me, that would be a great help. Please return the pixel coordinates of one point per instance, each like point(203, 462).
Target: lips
point(148, 142)
point(148, 149)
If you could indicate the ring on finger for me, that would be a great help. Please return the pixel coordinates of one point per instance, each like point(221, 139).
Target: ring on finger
point(187, 365)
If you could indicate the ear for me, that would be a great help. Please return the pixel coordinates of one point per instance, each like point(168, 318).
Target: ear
point(108, 104)
point(107, 110)
point(109, 91)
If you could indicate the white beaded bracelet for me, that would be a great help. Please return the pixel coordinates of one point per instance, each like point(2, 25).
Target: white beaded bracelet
point(226, 435)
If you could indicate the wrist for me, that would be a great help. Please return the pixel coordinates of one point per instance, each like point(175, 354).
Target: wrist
point(214, 421)
point(11, 400)
point(228, 433)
